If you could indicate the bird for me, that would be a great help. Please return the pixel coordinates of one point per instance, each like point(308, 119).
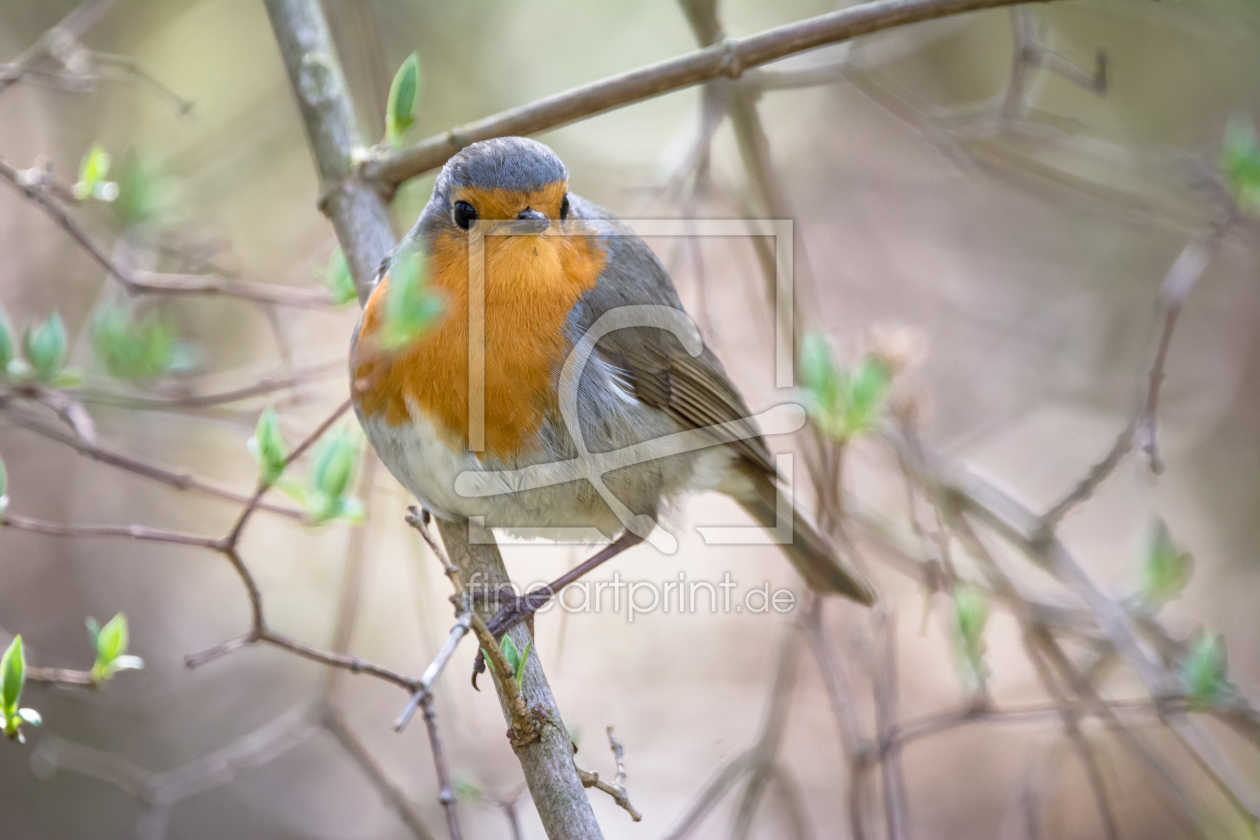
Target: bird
point(564, 264)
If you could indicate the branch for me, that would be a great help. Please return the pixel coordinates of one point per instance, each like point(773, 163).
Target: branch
point(260, 388)
point(171, 478)
point(32, 184)
point(81, 18)
point(361, 220)
point(60, 676)
point(727, 59)
point(1181, 278)
point(552, 777)
point(132, 532)
point(617, 788)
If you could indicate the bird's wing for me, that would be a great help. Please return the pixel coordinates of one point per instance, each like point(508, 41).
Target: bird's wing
point(693, 390)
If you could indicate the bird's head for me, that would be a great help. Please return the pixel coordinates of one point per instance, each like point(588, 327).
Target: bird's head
point(510, 179)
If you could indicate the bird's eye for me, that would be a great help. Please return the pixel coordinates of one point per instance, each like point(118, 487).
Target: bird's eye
point(465, 214)
point(564, 209)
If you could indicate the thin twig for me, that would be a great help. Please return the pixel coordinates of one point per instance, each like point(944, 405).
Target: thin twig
point(617, 788)
point(1181, 278)
point(131, 532)
point(162, 475)
point(391, 793)
point(886, 688)
point(153, 283)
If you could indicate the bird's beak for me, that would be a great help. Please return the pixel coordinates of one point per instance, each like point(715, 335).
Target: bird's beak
point(530, 221)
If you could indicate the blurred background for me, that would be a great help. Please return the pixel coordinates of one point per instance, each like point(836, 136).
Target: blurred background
point(1021, 240)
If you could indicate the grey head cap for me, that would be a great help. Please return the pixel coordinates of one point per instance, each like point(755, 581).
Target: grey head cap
point(509, 163)
point(518, 164)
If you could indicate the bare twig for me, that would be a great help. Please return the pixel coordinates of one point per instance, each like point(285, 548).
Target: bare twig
point(886, 689)
point(773, 725)
point(131, 532)
point(617, 788)
point(152, 283)
point(60, 676)
point(171, 478)
point(390, 792)
point(81, 18)
point(1181, 278)
point(729, 58)
point(710, 795)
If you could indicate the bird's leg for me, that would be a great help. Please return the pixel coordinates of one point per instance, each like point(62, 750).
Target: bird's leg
point(523, 608)
point(534, 600)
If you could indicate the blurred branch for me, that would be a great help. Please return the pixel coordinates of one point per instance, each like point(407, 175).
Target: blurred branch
point(81, 18)
point(157, 283)
point(171, 478)
point(60, 676)
point(82, 69)
point(1181, 278)
point(33, 185)
point(159, 791)
point(133, 532)
point(262, 387)
point(886, 689)
point(729, 58)
point(390, 792)
point(999, 510)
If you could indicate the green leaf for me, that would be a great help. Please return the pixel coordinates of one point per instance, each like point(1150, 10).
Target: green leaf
point(971, 615)
point(44, 347)
point(338, 280)
point(488, 660)
point(1166, 568)
point(30, 716)
point(510, 653)
point(111, 641)
point(12, 678)
point(133, 348)
point(6, 344)
point(865, 395)
point(520, 666)
point(334, 461)
point(1203, 672)
point(94, 630)
point(268, 446)
point(146, 193)
point(329, 476)
point(401, 113)
point(1240, 163)
point(818, 371)
point(842, 403)
point(93, 171)
point(411, 307)
point(466, 789)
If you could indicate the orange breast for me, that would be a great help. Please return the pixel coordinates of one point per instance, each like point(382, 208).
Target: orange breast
point(531, 284)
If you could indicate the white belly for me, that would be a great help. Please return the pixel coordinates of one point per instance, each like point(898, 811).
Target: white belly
point(427, 465)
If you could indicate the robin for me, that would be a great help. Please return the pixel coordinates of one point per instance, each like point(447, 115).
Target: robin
point(552, 289)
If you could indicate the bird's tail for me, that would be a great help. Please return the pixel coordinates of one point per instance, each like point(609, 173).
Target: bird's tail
point(813, 555)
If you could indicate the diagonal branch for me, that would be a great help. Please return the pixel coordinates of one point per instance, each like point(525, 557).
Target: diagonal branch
point(728, 58)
